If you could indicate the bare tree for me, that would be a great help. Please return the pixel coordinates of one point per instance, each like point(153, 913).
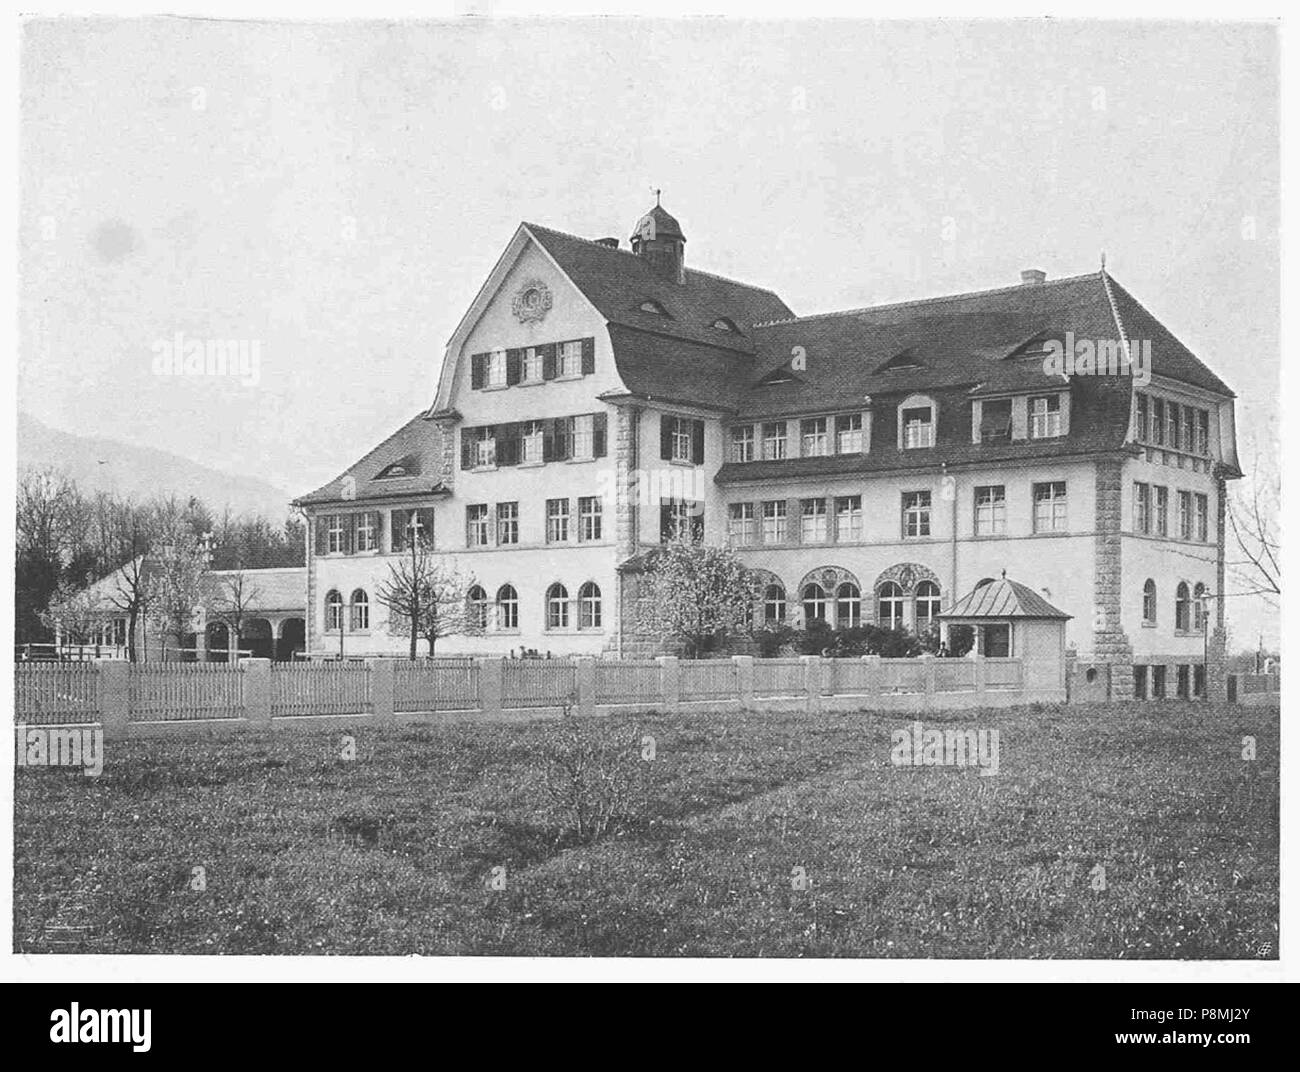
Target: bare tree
point(1252, 520)
point(124, 533)
point(427, 599)
point(231, 604)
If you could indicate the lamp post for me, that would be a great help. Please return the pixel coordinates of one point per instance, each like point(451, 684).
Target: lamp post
point(1205, 642)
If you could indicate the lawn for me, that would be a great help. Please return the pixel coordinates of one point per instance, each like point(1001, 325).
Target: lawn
point(1120, 831)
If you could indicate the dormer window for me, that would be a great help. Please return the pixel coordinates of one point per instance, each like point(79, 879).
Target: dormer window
point(916, 420)
point(654, 308)
point(995, 420)
point(723, 324)
point(904, 359)
point(1045, 417)
point(392, 471)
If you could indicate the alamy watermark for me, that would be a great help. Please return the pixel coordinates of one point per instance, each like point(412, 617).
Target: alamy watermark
point(60, 746)
point(1098, 357)
point(916, 746)
point(235, 358)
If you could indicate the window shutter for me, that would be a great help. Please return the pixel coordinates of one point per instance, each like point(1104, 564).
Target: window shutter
point(477, 371)
point(322, 533)
point(466, 448)
point(665, 520)
point(513, 366)
point(665, 437)
point(563, 438)
point(792, 523)
point(697, 442)
point(348, 524)
point(399, 530)
point(508, 444)
point(377, 519)
point(598, 435)
point(588, 356)
point(548, 361)
point(548, 441)
point(425, 515)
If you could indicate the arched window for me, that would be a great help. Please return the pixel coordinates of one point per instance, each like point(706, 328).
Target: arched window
point(557, 607)
point(589, 606)
point(1149, 602)
point(1198, 608)
point(333, 611)
point(814, 602)
point(507, 607)
point(889, 600)
point(848, 606)
point(478, 608)
point(1182, 608)
point(773, 604)
point(927, 605)
point(360, 611)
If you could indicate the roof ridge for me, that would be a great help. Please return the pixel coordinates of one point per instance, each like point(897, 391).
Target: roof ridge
point(629, 253)
point(365, 457)
point(925, 301)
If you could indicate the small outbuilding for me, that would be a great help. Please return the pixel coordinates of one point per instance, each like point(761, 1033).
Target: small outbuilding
point(1012, 621)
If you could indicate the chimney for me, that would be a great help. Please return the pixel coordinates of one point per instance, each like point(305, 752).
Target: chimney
point(611, 243)
point(1031, 277)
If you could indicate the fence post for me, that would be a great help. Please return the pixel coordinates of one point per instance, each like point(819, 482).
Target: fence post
point(744, 680)
point(927, 664)
point(875, 685)
point(383, 678)
point(491, 678)
point(113, 697)
point(812, 683)
point(585, 675)
point(670, 685)
point(257, 690)
point(981, 679)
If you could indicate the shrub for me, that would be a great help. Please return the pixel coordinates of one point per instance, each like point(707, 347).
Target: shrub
point(593, 775)
point(773, 639)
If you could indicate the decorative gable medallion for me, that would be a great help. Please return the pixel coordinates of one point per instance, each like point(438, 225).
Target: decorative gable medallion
point(533, 301)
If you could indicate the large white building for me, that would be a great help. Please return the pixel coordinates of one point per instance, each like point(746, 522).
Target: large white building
point(877, 464)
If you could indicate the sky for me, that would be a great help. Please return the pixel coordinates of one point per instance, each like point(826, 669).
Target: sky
point(335, 194)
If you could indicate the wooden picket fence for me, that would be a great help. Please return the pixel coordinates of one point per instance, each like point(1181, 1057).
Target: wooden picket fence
point(124, 696)
point(50, 694)
point(180, 691)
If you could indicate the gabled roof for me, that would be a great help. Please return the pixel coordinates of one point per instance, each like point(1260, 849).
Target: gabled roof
point(1003, 599)
point(961, 340)
point(416, 446)
point(617, 282)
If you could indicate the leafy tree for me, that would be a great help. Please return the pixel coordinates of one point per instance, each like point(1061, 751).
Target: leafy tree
point(175, 585)
point(73, 614)
point(696, 596)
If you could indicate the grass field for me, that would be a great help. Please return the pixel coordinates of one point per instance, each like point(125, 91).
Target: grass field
point(396, 851)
